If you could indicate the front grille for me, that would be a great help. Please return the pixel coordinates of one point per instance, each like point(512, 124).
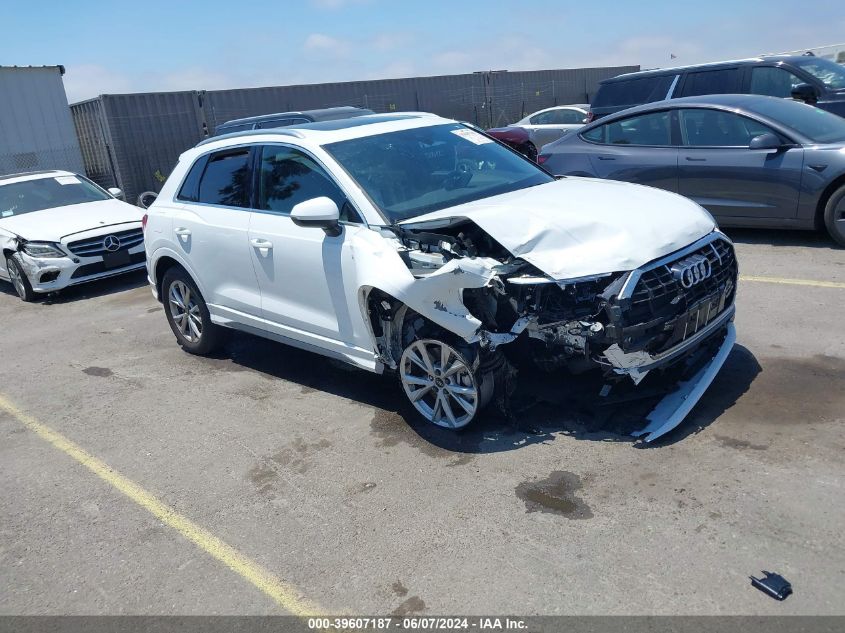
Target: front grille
point(100, 267)
point(660, 302)
point(93, 246)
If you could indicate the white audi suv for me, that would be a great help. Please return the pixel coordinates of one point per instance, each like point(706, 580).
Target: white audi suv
point(58, 229)
point(418, 245)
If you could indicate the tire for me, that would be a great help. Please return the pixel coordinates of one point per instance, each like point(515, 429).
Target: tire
point(834, 216)
point(193, 329)
point(19, 279)
point(440, 382)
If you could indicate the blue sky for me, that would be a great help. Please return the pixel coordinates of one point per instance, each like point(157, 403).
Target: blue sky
point(145, 45)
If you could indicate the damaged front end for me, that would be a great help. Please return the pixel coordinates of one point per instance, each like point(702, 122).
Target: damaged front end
point(675, 311)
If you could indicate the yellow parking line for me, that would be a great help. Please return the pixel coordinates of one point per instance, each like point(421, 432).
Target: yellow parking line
point(284, 594)
point(793, 282)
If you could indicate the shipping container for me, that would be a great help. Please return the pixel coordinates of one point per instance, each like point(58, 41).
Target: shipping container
point(133, 141)
point(36, 128)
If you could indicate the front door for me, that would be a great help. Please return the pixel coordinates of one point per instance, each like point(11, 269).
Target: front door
point(306, 277)
point(717, 169)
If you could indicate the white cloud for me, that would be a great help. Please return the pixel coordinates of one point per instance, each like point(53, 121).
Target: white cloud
point(321, 43)
point(89, 80)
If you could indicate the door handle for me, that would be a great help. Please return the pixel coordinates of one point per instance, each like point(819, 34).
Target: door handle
point(263, 244)
point(606, 158)
point(182, 232)
point(696, 160)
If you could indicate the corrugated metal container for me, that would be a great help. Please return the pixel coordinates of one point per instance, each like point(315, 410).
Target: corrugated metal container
point(133, 141)
point(36, 128)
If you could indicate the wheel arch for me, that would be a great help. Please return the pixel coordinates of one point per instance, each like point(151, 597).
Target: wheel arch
point(164, 261)
point(834, 186)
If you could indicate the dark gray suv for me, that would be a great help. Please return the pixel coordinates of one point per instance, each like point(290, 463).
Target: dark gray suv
point(749, 160)
point(810, 79)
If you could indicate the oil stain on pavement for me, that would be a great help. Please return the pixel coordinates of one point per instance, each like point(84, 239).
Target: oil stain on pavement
point(555, 495)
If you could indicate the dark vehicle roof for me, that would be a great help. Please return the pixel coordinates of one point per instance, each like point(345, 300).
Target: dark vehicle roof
point(321, 114)
point(743, 103)
point(655, 72)
point(336, 124)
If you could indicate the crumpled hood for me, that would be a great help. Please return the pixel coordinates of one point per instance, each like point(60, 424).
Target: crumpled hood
point(51, 225)
point(577, 227)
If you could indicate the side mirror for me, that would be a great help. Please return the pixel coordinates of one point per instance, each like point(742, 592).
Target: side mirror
point(318, 213)
point(765, 141)
point(116, 192)
point(805, 93)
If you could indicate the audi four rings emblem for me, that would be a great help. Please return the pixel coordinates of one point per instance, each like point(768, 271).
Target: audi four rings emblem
point(692, 271)
point(111, 243)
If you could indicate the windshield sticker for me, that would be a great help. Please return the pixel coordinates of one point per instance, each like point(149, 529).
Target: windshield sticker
point(472, 136)
point(67, 180)
point(6, 214)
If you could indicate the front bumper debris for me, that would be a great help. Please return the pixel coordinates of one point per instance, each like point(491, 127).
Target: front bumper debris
point(674, 407)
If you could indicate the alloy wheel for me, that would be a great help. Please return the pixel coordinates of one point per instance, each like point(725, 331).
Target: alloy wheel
point(15, 276)
point(439, 383)
point(185, 311)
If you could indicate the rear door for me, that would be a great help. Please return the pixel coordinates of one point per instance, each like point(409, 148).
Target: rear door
point(724, 80)
point(719, 171)
point(636, 149)
point(210, 228)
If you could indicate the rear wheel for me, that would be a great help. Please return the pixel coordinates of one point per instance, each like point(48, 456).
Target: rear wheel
point(834, 216)
point(188, 315)
point(441, 384)
point(19, 279)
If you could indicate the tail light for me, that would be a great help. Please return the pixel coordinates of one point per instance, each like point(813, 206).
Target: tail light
point(542, 158)
point(144, 223)
point(590, 117)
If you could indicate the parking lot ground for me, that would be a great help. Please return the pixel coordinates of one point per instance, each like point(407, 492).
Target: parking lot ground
point(318, 474)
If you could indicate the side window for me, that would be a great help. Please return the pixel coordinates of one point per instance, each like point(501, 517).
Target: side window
point(630, 92)
point(289, 176)
point(647, 129)
point(773, 81)
point(713, 128)
point(596, 135)
point(558, 117)
point(190, 188)
point(711, 82)
point(226, 179)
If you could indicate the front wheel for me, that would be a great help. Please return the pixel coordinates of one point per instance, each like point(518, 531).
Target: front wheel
point(441, 384)
point(834, 216)
point(19, 279)
point(188, 315)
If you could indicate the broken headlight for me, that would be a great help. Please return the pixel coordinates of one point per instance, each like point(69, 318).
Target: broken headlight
point(43, 249)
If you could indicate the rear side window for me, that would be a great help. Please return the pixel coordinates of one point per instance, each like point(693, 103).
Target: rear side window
point(647, 129)
point(225, 180)
point(190, 188)
point(711, 82)
point(631, 92)
point(772, 81)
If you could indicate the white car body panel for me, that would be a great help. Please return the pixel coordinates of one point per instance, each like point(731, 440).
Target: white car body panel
point(550, 227)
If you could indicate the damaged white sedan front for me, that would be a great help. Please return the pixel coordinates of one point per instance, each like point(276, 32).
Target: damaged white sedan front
point(417, 245)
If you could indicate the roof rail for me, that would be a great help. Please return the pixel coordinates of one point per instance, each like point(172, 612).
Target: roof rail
point(264, 132)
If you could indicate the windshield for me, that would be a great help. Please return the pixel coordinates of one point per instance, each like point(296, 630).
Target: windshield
point(829, 73)
point(412, 172)
point(18, 198)
point(817, 125)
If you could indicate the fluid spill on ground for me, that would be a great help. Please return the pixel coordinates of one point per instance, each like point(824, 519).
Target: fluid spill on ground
point(103, 372)
point(555, 495)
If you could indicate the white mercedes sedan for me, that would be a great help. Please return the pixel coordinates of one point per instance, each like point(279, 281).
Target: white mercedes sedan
point(58, 229)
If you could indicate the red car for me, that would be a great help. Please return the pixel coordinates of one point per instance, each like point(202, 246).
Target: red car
point(517, 138)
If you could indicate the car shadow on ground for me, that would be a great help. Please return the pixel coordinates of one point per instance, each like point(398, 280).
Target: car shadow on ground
point(543, 407)
point(772, 237)
point(90, 290)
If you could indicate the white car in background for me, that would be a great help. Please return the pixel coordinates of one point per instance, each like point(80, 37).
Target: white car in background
point(546, 126)
point(414, 244)
point(58, 229)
